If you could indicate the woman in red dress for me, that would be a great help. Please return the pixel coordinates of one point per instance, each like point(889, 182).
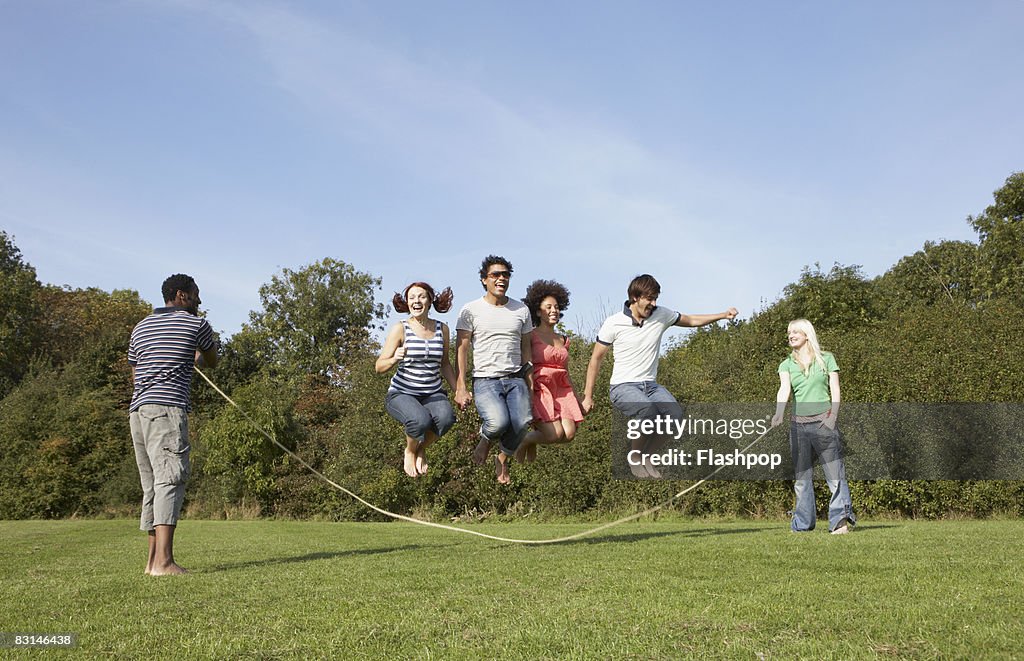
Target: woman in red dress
point(556, 407)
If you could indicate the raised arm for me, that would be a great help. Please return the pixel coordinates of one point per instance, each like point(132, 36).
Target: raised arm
point(593, 368)
point(695, 320)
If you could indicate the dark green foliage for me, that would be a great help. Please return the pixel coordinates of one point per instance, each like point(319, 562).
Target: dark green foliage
point(312, 318)
point(19, 314)
point(944, 272)
point(1001, 251)
point(65, 447)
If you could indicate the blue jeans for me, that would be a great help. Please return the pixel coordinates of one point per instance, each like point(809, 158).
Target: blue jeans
point(644, 400)
point(808, 440)
point(420, 415)
point(504, 407)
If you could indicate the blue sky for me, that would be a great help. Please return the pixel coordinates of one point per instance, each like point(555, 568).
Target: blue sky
point(720, 146)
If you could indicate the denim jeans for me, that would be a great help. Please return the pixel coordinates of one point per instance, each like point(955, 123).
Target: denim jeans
point(504, 407)
point(808, 440)
point(420, 415)
point(644, 399)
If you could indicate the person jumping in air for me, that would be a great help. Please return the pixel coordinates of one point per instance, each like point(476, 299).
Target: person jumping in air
point(498, 329)
point(419, 347)
point(556, 406)
point(634, 335)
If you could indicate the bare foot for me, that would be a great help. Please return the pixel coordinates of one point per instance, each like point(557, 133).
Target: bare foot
point(480, 451)
point(531, 453)
point(521, 451)
point(421, 462)
point(638, 471)
point(173, 569)
point(501, 469)
point(409, 464)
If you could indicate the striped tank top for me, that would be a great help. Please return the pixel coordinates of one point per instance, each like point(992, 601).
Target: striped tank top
point(419, 373)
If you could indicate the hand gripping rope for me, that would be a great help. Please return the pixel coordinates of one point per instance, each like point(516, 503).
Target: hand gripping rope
point(400, 517)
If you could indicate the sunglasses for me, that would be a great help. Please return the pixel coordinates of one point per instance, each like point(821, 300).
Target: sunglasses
point(499, 274)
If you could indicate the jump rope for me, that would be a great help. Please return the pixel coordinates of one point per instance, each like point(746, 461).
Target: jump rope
point(557, 540)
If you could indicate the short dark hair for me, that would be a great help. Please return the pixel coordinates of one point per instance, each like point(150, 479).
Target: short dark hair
point(442, 302)
point(491, 260)
point(643, 285)
point(541, 289)
point(174, 284)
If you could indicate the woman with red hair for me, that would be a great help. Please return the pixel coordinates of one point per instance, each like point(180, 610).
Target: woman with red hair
point(419, 347)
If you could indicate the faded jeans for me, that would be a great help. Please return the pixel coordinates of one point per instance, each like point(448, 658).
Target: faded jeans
point(504, 406)
point(807, 441)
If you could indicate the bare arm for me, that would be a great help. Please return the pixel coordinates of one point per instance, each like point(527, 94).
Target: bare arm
point(462, 394)
point(526, 350)
point(568, 376)
point(447, 371)
point(206, 358)
point(695, 320)
point(392, 352)
point(593, 368)
point(781, 398)
point(833, 414)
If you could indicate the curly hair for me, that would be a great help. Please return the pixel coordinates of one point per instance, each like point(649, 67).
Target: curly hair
point(175, 283)
point(442, 302)
point(491, 260)
point(541, 289)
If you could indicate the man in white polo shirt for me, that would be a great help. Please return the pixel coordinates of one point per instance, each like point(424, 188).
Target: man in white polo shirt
point(498, 328)
point(635, 338)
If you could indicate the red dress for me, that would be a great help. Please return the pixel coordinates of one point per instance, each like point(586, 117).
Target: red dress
point(553, 398)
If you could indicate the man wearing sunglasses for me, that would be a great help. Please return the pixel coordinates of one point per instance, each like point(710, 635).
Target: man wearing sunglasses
point(498, 330)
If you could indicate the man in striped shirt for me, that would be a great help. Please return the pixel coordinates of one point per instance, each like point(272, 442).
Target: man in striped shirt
point(162, 350)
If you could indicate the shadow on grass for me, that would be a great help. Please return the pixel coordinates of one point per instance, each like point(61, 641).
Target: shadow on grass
point(628, 538)
point(311, 557)
point(874, 526)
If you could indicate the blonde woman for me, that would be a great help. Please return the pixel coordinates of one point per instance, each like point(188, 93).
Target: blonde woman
point(419, 347)
point(812, 375)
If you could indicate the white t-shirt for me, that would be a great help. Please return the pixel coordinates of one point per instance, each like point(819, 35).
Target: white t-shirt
point(497, 333)
point(636, 347)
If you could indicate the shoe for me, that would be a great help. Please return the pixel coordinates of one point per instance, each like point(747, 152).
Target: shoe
point(843, 528)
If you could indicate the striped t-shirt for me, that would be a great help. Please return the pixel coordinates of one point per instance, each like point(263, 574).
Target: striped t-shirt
point(419, 373)
point(163, 349)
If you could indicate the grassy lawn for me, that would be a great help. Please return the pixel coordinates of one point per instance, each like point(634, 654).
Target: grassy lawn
point(662, 590)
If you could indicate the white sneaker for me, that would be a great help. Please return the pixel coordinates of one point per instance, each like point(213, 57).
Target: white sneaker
point(843, 528)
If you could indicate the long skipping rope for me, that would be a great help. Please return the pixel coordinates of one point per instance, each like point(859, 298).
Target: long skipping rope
point(443, 526)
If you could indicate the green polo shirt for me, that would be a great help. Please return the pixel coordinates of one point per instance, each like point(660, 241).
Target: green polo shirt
point(810, 391)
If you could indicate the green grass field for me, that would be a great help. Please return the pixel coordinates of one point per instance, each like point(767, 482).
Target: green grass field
point(656, 589)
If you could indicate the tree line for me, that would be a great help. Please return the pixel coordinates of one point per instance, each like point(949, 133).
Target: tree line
point(944, 324)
